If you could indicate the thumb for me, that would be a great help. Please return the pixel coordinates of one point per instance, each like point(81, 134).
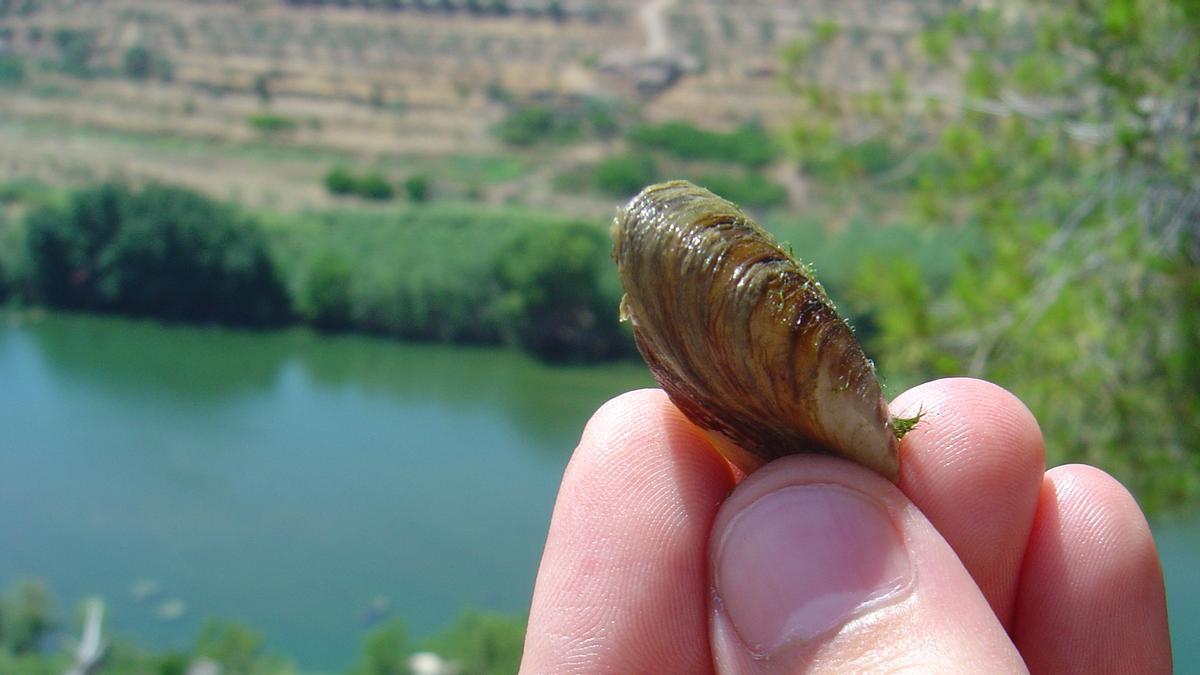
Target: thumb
point(820, 565)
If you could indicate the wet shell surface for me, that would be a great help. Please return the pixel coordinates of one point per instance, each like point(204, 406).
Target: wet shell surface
point(742, 337)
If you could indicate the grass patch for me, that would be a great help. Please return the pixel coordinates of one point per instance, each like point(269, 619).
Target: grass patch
point(272, 123)
point(749, 144)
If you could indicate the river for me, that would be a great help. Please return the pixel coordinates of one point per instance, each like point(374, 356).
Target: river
point(286, 480)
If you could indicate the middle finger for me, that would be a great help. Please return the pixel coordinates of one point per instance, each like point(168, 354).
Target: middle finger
point(974, 467)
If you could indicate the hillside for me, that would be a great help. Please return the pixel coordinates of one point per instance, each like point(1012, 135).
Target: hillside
point(256, 100)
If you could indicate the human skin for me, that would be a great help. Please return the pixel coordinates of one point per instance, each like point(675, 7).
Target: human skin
point(977, 560)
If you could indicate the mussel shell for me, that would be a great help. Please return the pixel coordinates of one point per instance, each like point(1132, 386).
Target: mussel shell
point(743, 338)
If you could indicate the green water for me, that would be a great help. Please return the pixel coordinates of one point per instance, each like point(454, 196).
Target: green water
point(280, 479)
point(285, 480)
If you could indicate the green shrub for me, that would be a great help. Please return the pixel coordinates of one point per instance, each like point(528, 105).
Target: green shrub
point(527, 126)
point(26, 615)
point(324, 299)
point(340, 181)
point(12, 71)
point(162, 251)
point(752, 189)
point(417, 188)
point(141, 63)
point(374, 185)
point(482, 642)
point(749, 144)
point(75, 50)
point(271, 123)
point(624, 175)
point(552, 301)
point(11, 260)
point(385, 651)
point(236, 647)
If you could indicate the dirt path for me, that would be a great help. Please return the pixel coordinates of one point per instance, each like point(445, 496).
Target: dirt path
point(652, 16)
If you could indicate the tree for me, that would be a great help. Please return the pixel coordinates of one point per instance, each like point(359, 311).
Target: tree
point(482, 643)
point(385, 651)
point(340, 181)
point(1074, 158)
point(417, 187)
point(26, 614)
point(552, 300)
point(162, 251)
point(138, 63)
point(325, 298)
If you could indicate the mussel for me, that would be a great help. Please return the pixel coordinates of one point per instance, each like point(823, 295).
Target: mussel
point(742, 337)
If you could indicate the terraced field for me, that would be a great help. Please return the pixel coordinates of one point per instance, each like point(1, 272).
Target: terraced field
point(256, 100)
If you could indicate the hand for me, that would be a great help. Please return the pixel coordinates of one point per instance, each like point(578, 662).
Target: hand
point(978, 560)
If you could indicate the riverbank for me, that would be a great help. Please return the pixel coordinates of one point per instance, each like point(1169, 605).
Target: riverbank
point(451, 273)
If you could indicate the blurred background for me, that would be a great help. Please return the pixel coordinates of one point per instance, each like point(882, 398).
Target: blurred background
point(305, 303)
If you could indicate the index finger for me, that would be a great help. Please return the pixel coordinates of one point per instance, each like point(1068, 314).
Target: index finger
point(623, 585)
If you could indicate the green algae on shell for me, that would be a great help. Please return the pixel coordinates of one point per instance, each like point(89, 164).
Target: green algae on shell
point(742, 337)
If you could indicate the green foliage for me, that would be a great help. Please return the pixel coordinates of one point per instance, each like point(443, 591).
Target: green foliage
point(751, 189)
point(161, 251)
point(138, 63)
point(434, 273)
point(749, 144)
point(624, 175)
point(24, 191)
point(528, 126)
point(272, 123)
point(75, 49)
point(1080, 297)
point(385, 651)
point(12, 71)
point(141, 63)
point(325, 297)
point(417, 188)
point(12, 260)
point(340, 181)
point(824, 155)
point(236, 647)
point(826, 31)
point(1038, 73)
point(481, 643)
point(552, 301)
point(26, 615)
point(372, 185)
point(936, 44)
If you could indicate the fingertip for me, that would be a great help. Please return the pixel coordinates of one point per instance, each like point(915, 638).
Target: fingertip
point(1092, 579)
point(1109, 531)
point(946, 403)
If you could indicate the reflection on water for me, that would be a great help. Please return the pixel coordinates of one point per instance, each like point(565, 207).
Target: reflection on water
point(213, 366)
point(282, 479)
